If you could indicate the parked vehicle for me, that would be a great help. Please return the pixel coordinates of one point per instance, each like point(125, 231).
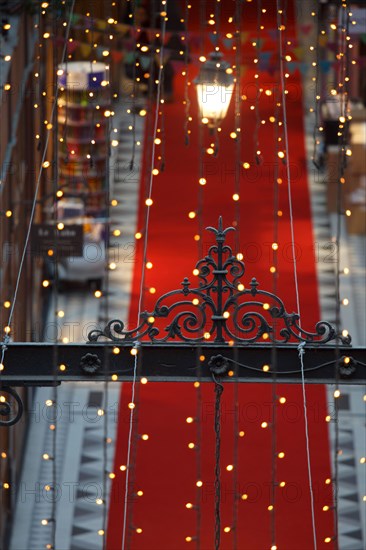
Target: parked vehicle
point(90, 267)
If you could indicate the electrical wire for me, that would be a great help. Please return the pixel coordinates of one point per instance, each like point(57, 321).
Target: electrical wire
point(237, 187)
point(288, 175)
point(142, 282)
point(343, 90)
point(274, 348)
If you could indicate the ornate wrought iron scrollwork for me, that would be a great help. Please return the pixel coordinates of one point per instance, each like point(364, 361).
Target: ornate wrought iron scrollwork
point(11, 410)
point(221, 309)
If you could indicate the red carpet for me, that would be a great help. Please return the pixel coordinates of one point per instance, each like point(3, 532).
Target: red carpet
point(165, 466)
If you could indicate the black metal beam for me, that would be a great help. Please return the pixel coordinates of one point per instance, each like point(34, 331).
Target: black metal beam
point(33, 364)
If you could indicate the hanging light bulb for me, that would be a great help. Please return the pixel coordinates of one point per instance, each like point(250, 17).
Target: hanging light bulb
point(215, 85)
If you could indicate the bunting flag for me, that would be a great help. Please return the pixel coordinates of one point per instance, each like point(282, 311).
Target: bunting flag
point(117, 56)
point(129, 57)
point(306, 28)
point(304, 68)
point(145, 62)
point(100, 50)
point(122, 28)
point(323, 40)
point(272, 34)
point(172, 43)
point(214, 38)
point(299, 52)
point(292, 66)
point(71, 46)
point(228, 43)
point(325, 66)
point(75, 18)
point(260, 43)
point(101, 24)
point(244, 37)
point(332, 46)
point(243, 70)
point(85, 50)
point(264, 60)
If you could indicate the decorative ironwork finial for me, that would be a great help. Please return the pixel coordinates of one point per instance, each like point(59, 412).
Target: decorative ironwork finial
point(220, 232)
point(220, 309)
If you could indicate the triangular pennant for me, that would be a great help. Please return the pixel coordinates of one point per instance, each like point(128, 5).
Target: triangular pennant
point(117, 56)
point(228, 43)
point(214, 38)
point(304, 68)
point(177, 64)
point(243, 70)
point(123, 29)
point(166, 57)
point(305, 29)
point(244, 37)
point(325, 66)
point(167, 37)
point(100, 50)
point(145, 62)
point(75, 18)
point(151, 34)
point(332, 46)
point(85, 50)
point(71, 46)
point(194, 41)
point(101, 24)
point(323, 40)
point(292, 66)
point(272, 33)
point(264, 60)
point(130, 57)
point(299, 52)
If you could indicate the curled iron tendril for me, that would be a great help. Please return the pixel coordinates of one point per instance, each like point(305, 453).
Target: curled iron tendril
point(220, 309)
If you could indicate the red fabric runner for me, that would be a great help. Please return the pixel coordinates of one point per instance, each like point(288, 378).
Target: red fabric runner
point(165, 468)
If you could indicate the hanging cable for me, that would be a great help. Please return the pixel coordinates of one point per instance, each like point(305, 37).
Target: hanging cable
point(317, 92)
point(186, 101)
point(133, 93)
point(288, 174)
point(144, 257)
point(55, 166)
point(237, 187)
point(257, 153)
point(280, 28)
point(106, 292)
point(219, 388)
point(343, 137)
point(274, 271)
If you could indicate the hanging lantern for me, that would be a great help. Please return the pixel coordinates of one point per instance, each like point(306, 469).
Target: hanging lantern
point(215, 85)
